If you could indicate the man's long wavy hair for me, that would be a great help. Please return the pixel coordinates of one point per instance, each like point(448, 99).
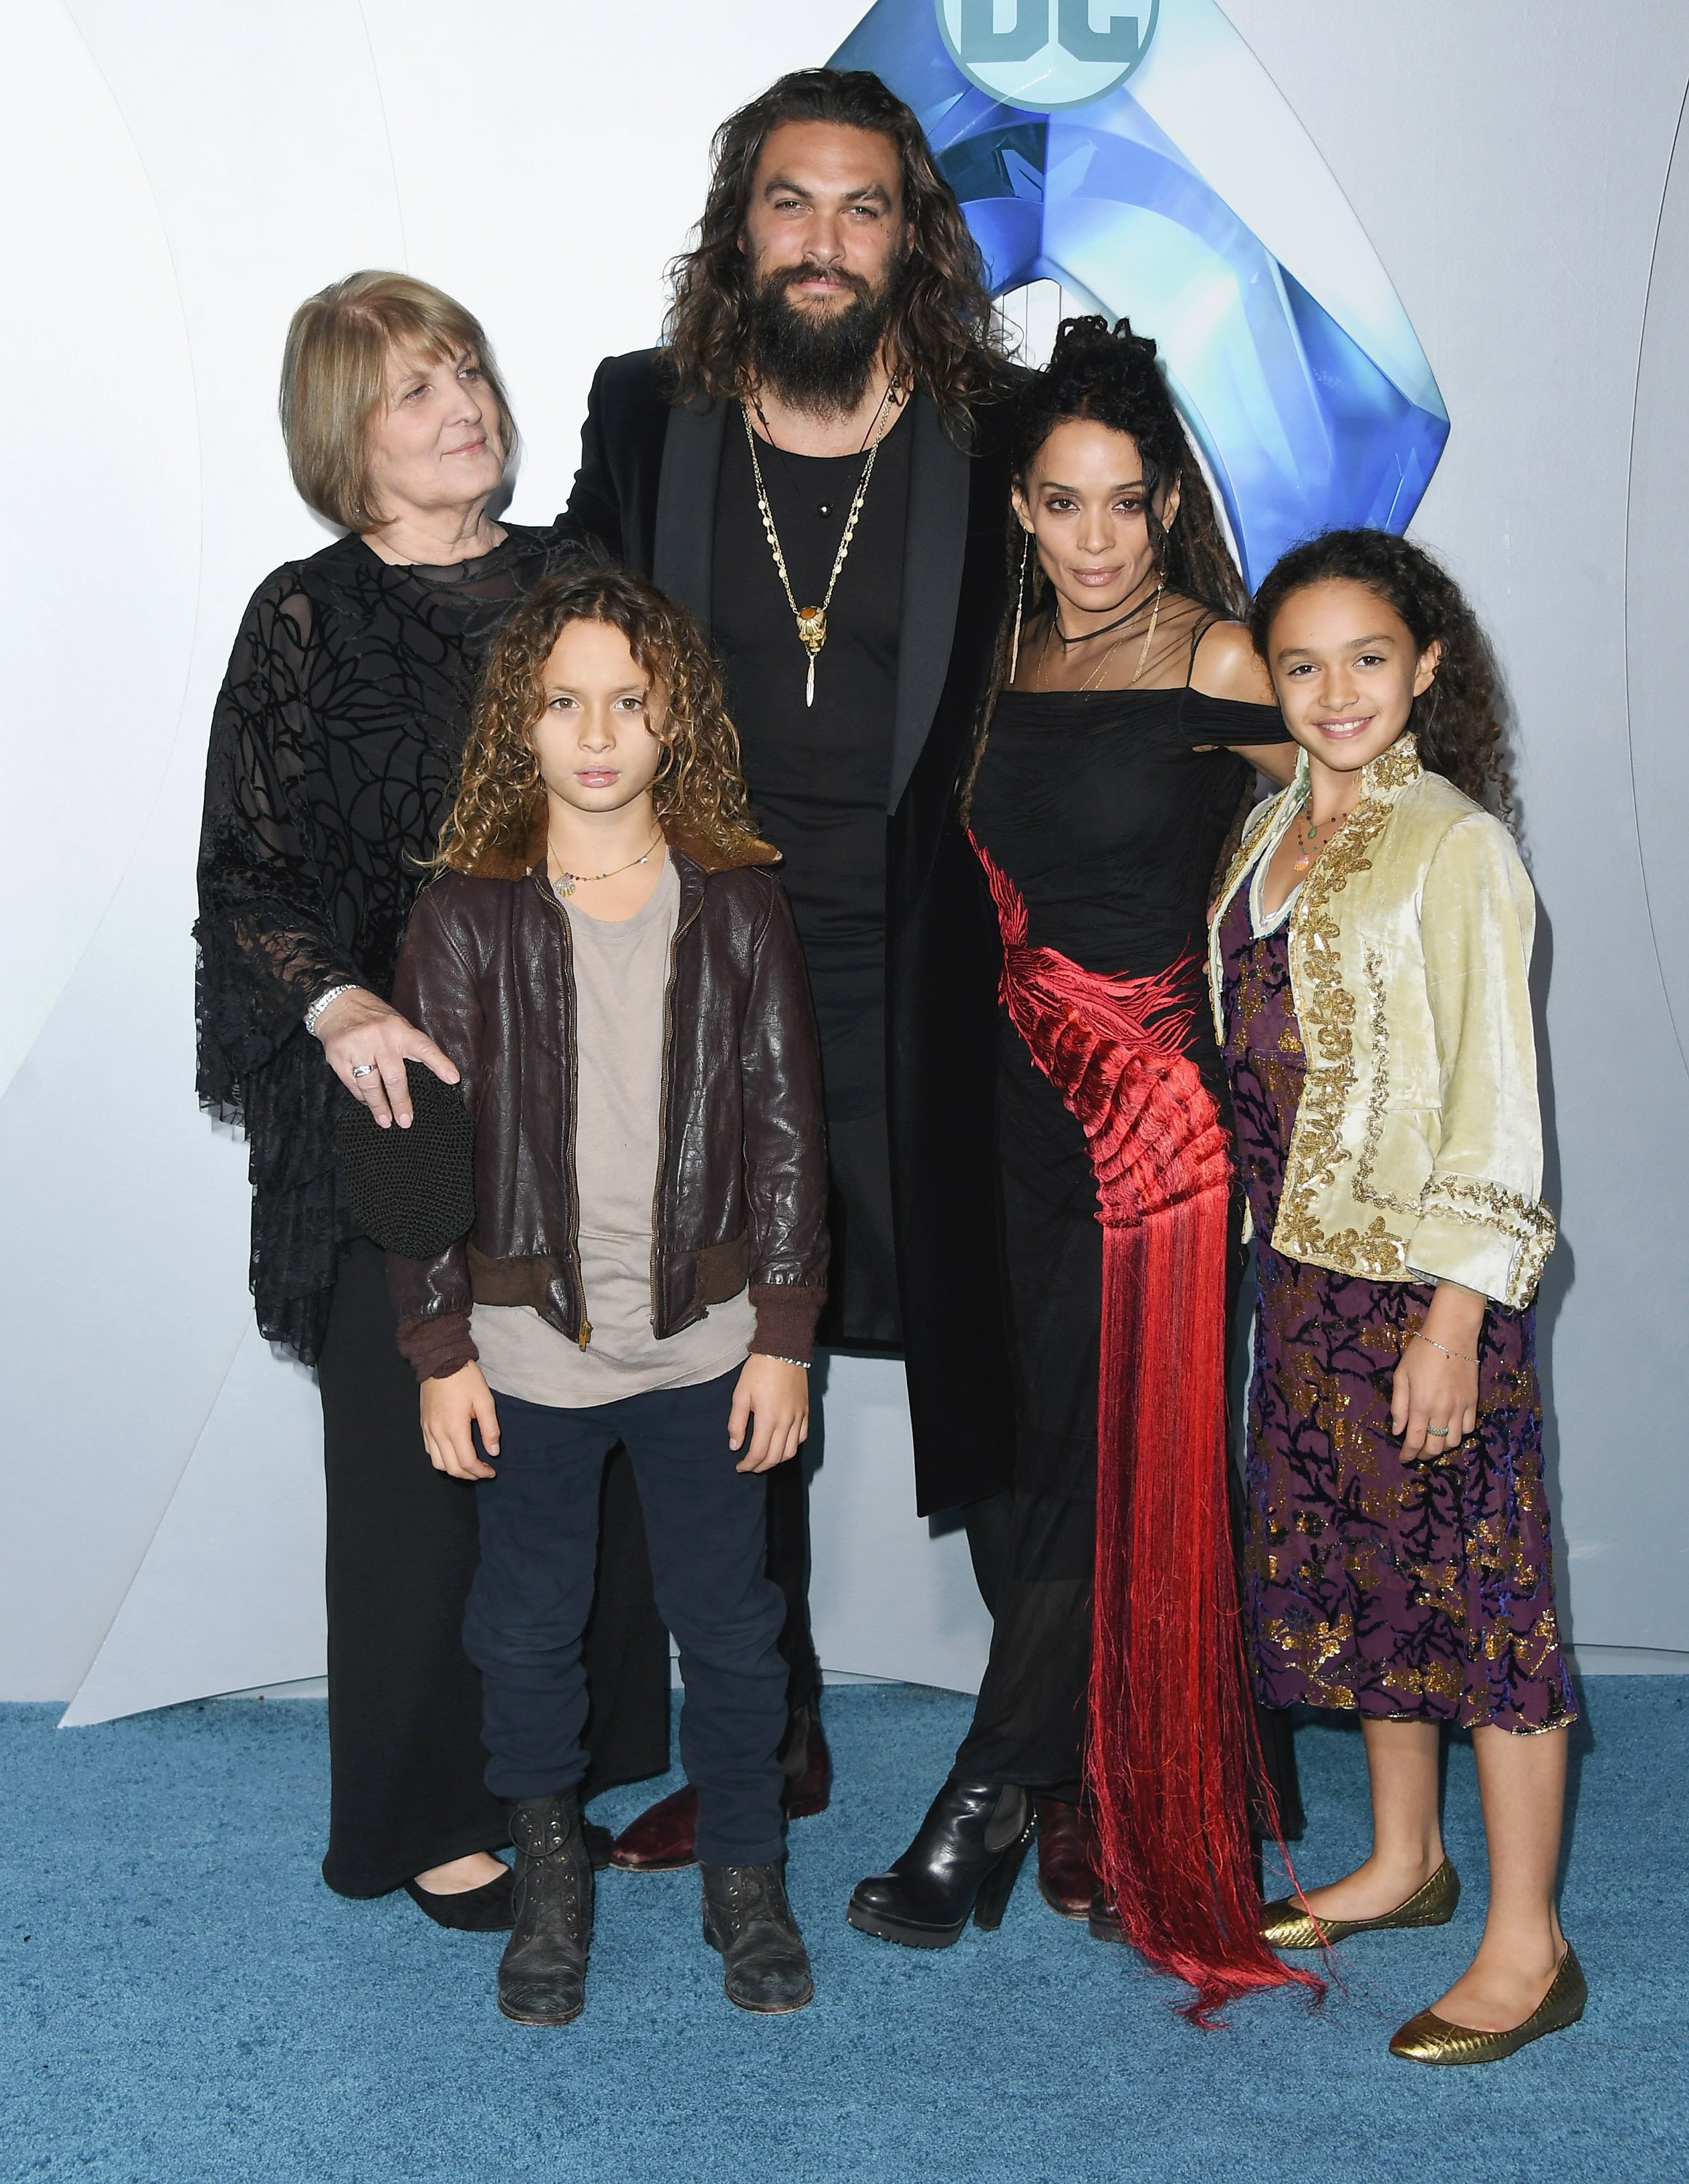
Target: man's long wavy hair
point(940, 335)
point(496, 826)
point(1460, 723)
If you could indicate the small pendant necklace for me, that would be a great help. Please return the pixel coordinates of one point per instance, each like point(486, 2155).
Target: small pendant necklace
point(1311, 846)
point(566, 882)
point(811, 621)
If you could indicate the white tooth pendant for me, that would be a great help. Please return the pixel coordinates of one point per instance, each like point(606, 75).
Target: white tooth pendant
point(811, 635)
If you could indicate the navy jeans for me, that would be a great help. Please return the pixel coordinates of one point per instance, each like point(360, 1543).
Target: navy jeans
point(705, 1527)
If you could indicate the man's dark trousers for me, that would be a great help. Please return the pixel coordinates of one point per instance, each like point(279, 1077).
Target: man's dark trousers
point(705, 1524)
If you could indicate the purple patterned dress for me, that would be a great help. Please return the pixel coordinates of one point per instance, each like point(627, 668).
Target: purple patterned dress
point(1410, 1589)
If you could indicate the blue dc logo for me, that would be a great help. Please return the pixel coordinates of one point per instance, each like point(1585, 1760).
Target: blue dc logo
point(1042, 54)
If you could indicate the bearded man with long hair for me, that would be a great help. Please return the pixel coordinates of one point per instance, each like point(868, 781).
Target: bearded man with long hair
point(815, 463)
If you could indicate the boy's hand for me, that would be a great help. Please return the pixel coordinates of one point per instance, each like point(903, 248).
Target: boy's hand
point(450, 1408)
point(776, 1395)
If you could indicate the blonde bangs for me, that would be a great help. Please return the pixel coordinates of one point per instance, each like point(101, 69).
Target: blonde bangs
point(334, 381)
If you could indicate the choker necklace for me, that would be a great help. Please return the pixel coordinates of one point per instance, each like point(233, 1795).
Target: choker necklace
point(1097, 672)
point(811, 621)
point(1130, 615)
point(1091, 680)
point(566, 882)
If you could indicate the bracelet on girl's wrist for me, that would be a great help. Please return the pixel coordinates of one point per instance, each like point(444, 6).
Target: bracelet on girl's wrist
point(1459, 1357)
point(802, 1363)
point(324, 1000)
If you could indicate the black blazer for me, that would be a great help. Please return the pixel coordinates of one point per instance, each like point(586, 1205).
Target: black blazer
point(646, 489)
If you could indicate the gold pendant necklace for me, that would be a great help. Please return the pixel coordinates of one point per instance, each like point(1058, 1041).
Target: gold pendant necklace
point(811, 621)
point(566, 882)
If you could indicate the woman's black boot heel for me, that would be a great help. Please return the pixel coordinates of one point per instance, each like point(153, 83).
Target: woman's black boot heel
point(999, 1885)
point(963, 1861)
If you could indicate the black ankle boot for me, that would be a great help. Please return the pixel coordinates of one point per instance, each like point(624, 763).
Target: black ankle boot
point(747, 1917)
point(542, 1979)
point(964, 1860)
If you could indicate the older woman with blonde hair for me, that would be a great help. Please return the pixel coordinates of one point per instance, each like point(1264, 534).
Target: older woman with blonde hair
point(335, 744)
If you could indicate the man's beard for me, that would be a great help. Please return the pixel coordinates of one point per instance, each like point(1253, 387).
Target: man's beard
point(822, 362)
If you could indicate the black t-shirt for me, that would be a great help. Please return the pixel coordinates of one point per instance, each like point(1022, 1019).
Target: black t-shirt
point(819, 775)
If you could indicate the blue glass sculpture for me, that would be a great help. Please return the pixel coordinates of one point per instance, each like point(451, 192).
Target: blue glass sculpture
point(1151, 167)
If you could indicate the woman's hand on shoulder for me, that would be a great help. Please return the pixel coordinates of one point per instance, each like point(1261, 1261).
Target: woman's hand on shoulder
point(359, 1029)
point(774, 1394)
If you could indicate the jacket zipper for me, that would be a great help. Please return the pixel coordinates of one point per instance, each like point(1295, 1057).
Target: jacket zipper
point(573, 1051)
point(663, 1103)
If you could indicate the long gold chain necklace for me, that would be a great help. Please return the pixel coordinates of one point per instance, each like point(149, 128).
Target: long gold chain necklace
point(811, 621)
point(566, 882)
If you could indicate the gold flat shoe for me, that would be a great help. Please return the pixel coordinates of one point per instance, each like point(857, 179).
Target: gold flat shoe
point(1429, 2038)
point(1286, 1925)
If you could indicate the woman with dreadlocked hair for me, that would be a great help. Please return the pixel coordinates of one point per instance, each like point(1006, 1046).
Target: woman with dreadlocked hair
point(1114, 754)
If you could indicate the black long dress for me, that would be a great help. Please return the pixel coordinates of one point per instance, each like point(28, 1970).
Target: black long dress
point(335, 741)
point(1109, 815)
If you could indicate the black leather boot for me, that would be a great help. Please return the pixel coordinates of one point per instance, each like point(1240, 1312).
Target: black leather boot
point(747, 1917)
point(964, 1860)
point(542, 1976)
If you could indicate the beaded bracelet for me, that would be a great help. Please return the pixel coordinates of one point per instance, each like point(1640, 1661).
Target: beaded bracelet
point(1458, 1356)
point(802, 1363)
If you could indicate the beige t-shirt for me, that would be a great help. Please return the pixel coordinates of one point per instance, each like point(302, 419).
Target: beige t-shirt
point(621, 973)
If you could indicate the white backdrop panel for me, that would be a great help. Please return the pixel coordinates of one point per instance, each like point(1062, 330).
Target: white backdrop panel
point(209, 165)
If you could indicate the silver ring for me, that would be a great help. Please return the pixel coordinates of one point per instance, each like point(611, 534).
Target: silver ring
point(363, 1069)
point(1441, 1432)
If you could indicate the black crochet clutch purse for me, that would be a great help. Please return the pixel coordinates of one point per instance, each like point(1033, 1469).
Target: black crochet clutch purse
point(411, 1192)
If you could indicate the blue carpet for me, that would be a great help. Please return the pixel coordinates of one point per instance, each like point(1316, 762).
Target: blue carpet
point(185, 2001)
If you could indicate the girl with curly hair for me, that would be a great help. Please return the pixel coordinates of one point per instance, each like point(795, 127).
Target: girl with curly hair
point(1368, 962)
point(612, 967)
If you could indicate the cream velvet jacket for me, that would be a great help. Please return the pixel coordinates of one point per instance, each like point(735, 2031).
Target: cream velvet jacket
point(1417, 1152)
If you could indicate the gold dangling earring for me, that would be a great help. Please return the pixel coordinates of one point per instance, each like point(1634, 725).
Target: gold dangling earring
point(1020, 602)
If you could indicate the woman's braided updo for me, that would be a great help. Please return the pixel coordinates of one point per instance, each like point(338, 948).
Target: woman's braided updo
point(1112, 376)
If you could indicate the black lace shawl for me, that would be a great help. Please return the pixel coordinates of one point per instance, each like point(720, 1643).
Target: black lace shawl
point(336, 739)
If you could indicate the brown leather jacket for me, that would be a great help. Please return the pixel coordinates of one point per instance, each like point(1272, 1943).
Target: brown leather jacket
point(486, 971)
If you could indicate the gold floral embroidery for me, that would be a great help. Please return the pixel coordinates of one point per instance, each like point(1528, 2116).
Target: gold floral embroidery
point(1487, 1205)
point(1311, 1648)
point(1377, 1099)
point(1398, 768)
point(1533, 1649)
point(1438, 1680)
point(1326, 1011)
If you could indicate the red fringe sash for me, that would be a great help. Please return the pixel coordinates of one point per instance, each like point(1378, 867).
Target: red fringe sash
point(1172, 1745)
